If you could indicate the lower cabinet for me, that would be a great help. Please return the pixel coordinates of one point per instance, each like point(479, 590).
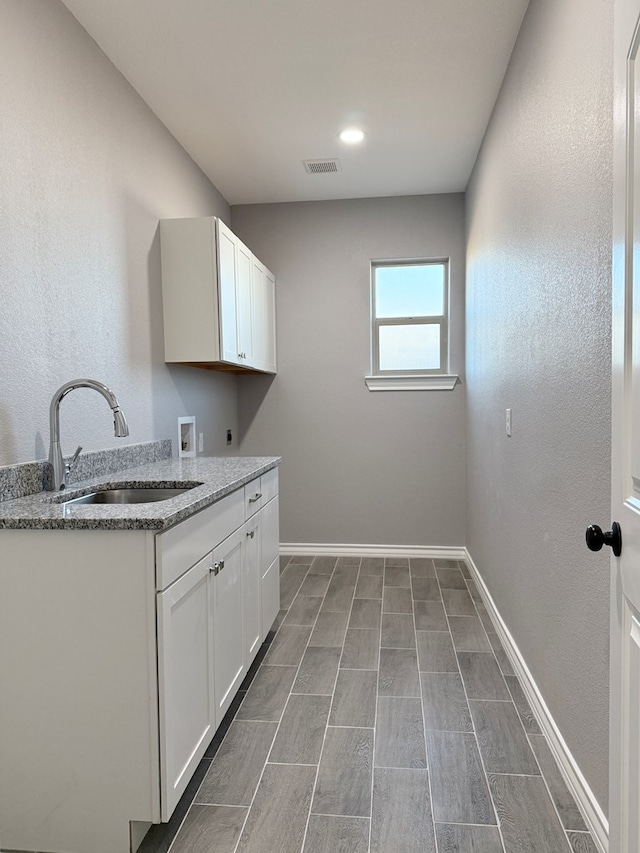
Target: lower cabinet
point(211, 622)
point(185, 679)
point(135, 646)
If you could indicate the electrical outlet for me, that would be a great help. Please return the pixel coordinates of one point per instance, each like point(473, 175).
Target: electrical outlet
point(508, 422)
point(200, 442)
point(229, 437)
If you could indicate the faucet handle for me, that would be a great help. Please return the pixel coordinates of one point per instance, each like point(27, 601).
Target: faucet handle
point(73, 459)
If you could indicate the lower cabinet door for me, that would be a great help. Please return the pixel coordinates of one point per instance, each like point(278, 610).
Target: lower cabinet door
point(186, 680)
point(251, 591)
point(270, 521)
point(270, 592)
point(228, 630)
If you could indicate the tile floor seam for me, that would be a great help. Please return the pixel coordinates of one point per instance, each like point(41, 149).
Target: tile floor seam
point(519, 775)
point(548, 787)
point(324, 738)
point(328, 814)
point(197, 791)
point(424, 719)
point(297, 693)
point(375, 715)
point(473, 725)
point(460, 823)
point(494, 701)
point(237, 844)
point(526, 734)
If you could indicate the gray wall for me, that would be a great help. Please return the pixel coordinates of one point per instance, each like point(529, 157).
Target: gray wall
point(86, 172)
point(359, 467)
point(538, 341)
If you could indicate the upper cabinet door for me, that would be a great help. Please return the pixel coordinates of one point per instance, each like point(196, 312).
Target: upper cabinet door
point(244, 309)
point(263, 300)
point(190, 290)
point(227, 278)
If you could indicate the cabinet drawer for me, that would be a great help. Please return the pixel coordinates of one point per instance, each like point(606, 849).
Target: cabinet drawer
point(180, 547)
point(269, 485)
point(253, 500)
point(259, 492)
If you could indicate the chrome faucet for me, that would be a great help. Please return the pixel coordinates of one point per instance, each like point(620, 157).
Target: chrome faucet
point(59, 470)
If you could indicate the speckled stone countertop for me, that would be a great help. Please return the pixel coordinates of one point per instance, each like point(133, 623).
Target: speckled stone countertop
point(219, 476)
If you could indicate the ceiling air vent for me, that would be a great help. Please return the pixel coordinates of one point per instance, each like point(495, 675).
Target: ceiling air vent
point(321, 167)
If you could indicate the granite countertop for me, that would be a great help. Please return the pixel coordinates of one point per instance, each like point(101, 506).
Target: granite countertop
point(219, 476)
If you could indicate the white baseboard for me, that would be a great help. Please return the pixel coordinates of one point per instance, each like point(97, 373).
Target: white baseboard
point(594, 817)
point(305, 549)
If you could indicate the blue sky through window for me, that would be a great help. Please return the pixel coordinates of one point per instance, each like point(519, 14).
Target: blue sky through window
point(409, 291)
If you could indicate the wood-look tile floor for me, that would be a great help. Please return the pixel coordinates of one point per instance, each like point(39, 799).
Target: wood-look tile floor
point(381, 716)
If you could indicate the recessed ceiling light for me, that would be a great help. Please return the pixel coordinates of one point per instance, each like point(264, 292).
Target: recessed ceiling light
point(352, 136)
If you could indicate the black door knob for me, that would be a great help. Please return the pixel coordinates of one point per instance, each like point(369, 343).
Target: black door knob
point(596, 538)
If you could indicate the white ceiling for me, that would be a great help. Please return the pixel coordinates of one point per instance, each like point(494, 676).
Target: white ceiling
point(251, 88)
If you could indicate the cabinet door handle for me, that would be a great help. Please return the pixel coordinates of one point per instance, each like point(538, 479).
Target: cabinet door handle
point(217, 567)
point(255, 498)
point(251, 534)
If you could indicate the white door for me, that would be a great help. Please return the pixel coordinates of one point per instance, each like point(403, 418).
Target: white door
point(624, 811)
point(186, 680)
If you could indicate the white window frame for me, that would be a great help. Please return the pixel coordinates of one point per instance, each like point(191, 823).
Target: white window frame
point(422, 379)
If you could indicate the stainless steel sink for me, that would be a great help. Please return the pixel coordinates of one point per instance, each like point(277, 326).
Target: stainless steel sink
point(131, 496)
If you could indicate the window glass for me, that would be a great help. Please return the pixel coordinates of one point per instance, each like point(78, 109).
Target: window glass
point(413, 347)
point(409, 291)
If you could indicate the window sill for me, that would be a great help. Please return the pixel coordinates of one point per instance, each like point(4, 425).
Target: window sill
point(432, 382)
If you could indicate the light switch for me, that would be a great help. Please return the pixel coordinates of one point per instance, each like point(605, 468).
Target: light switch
point(508, 422)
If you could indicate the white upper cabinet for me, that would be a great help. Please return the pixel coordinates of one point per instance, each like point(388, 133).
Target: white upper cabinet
point(263, 326)
point(218, 298)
